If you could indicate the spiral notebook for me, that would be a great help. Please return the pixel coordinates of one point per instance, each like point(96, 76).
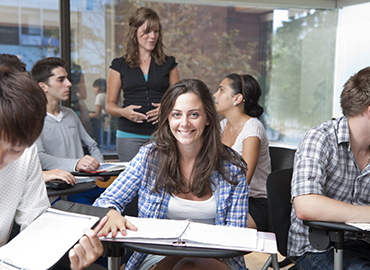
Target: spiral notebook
point(48, 238)
point(194, 234)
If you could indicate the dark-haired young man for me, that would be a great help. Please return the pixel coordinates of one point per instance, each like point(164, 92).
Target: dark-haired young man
point(331, 180)
point(63, 137)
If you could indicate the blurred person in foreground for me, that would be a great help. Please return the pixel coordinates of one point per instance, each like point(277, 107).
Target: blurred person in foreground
point(22, 188)
point(12, 61)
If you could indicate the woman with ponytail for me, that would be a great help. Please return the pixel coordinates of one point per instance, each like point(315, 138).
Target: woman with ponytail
point(237, 99)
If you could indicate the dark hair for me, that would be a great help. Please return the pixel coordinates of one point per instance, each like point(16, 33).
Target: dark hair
point(131, 49)
point(41, 70)
point(12, 61)
point(355, 97)
point(212, 154)
point(22, 107)
point(100, 83)
point(251, 92)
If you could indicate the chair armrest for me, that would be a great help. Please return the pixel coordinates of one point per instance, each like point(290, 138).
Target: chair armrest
point(324, 234)
point(329, 225)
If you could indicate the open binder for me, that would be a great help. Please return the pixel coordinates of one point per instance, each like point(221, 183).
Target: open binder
point(193, 234)
point(50, 236)
point(110, 167)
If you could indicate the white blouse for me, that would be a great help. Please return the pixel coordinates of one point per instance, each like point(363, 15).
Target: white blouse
point(254, 128)
point(198, 211)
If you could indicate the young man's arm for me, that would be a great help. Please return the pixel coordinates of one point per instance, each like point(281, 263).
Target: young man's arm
point(91, 145)
point(50, 162)
point(322, 208)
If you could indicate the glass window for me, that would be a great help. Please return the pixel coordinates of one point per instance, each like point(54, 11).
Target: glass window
point(29, 29)
point(352, 47)
point(300, 57)
point(90, 55)
point(9, 35)
point(299, 73)
point(290, 51)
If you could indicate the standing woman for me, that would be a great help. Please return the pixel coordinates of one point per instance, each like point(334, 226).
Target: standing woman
point(237, 99)
point(144, 73)
point(186, 173)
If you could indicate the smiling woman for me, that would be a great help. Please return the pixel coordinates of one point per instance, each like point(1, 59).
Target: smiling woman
point(187, 121)
point(187, 163)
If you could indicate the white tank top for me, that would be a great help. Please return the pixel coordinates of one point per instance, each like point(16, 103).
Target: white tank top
point(198, 211)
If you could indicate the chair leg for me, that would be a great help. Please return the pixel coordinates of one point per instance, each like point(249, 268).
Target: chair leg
point(267, 263)
point(275, 262)
point(272, 260)
point(114, 263)
point(338, 259)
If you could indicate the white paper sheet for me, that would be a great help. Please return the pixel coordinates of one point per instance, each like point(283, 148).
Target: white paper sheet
point(46, 240)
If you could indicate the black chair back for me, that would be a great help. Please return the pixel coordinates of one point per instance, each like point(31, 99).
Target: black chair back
point(281, 158)
point(278, 196)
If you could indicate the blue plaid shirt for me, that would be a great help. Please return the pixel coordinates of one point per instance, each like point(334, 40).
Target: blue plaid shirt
point(232, 200)
point(324, 164)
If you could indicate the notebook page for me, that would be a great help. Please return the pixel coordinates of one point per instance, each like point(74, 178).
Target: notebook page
point(205, 235)
point(47, 239)
point(362, 226)
point(152, 228)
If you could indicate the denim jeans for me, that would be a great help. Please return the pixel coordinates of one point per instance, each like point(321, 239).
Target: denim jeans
point(356, 256)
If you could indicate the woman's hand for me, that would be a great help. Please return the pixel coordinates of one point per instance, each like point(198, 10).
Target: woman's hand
point(132, 115)
point(88, 249)
point(59, 174)
point(116, 222)
point(153, 114)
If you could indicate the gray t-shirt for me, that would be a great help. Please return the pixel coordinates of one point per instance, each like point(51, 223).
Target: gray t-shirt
point(61, 142)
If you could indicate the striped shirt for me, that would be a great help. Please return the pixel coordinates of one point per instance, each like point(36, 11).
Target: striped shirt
point(232, 200)
point(324, 164)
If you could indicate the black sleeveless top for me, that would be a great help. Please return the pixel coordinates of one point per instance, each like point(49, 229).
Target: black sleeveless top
point(138, 91)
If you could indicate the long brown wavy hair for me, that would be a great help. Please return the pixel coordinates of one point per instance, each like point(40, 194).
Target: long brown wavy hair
point(131, 48)
point(211, 156)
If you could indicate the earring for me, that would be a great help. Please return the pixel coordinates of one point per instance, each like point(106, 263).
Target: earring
point(235, 104)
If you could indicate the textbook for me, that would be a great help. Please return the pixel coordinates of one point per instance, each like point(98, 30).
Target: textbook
point(44, 242)
point(110, 167)
point(194, 234)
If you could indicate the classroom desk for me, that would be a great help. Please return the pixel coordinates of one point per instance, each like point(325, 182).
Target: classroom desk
point(117, 249)
point(72, 189)
point(104, 174)
point(182, 251)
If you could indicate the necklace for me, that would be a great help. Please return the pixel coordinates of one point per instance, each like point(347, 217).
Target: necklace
point(144, 60)
point(235, 133)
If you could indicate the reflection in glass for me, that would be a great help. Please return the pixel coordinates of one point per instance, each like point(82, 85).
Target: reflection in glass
point(291, 52)
point(29, 29)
